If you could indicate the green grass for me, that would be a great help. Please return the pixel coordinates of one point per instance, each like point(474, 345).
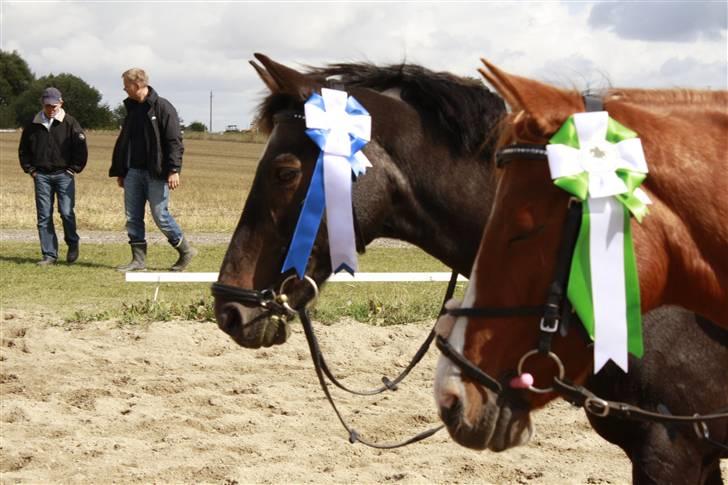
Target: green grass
point(91, 289)
point(217, 173)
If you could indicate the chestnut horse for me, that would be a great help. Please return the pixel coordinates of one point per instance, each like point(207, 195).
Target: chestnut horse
point(680, 247)
point(424, 124)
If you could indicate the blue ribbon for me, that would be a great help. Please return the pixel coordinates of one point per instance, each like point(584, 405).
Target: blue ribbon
point(312, 211)
point(308, 222)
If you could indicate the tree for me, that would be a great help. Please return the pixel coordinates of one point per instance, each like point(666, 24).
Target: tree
point(15, 77)
point(118, 114)
point(197, 126)
point(80, 99)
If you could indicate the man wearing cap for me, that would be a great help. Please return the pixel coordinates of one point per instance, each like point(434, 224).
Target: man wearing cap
point(53, 150)
point(146, 162)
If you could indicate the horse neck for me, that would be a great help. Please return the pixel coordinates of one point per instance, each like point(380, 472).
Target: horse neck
point(685, 146)
point(435, 202)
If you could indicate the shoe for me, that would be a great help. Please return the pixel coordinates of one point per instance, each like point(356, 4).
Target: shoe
point(138, 258)
point(46, 261)
point(72, 254)
point(186, 253)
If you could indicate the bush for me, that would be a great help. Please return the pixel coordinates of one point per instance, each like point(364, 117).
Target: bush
point(197, 126)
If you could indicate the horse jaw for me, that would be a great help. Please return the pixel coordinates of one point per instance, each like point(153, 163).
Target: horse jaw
point(474, 416)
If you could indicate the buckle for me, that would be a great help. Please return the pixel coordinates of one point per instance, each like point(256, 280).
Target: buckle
point(549, 326)
point(700, 428)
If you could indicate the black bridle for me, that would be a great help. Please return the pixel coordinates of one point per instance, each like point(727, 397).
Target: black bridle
point(555, 316)
point(275, 305)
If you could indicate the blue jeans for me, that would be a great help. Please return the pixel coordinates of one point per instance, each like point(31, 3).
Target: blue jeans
point(47, 188)
point(140, 187)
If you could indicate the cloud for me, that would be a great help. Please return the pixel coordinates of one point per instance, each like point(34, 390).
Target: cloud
point(688, 71)
point(192, 48)
point(662, 21)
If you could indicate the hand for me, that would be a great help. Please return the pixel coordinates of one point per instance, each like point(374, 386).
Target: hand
point(120, 182)
point(173, 180)
point(32, 174)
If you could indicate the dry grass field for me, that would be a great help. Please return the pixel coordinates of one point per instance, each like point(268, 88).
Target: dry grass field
point(216, 175)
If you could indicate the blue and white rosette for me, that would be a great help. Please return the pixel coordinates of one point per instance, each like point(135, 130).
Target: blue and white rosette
point(341, 127)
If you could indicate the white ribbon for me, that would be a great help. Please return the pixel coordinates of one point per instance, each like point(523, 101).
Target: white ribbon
point(600, 159)
point(339, 163)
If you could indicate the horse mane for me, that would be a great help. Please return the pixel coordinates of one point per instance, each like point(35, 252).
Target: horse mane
point(459, 111)
point(519, 125)
point(670, 97)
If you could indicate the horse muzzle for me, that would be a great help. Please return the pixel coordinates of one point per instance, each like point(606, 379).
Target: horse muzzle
point(492, 426)
point(251, 328)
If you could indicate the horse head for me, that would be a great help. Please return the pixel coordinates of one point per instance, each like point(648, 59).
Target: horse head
point(514, 269)
point(251, 269)
point(676, 249)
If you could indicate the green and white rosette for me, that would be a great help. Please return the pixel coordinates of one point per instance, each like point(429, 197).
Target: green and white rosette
point(601, 162)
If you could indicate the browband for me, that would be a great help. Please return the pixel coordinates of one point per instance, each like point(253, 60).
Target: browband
point(532, 151)
point(520, 151)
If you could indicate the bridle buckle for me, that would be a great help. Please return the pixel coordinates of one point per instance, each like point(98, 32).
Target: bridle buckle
point(550, 326)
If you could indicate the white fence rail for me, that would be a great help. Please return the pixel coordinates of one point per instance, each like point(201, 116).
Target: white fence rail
point(164, 277)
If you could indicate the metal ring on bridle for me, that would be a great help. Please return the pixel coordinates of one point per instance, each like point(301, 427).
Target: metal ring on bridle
point(553, 357)
point(283, 298)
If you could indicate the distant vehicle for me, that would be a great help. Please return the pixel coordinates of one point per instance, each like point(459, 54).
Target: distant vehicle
point(230, 128)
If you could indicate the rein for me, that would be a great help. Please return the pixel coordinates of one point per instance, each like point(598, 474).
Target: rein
point(555, 316)
point(278, 305)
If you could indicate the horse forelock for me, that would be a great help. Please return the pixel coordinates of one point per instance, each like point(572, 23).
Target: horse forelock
point(457, 111)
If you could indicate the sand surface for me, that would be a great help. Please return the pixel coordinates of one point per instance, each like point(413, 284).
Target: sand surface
point(178, 402)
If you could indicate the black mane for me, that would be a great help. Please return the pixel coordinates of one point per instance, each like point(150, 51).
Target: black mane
point(460, 112)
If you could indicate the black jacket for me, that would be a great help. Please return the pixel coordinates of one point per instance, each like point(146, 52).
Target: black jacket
point(164, 139)
point(63, 147)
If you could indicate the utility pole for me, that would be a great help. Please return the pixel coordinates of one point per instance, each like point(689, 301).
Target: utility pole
point(210, 126)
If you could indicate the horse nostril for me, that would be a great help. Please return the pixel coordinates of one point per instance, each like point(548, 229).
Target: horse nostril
point(229, 317)
point(450, 413)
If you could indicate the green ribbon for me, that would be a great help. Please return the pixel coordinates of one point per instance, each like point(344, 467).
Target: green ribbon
point(579, 290)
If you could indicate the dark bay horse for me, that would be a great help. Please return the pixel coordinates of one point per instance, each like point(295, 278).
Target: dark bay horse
point(681, 258)
point(431, 185)
point(429, 135)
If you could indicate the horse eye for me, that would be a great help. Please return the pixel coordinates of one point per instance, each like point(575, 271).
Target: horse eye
point(287, 174)
point(525, 235)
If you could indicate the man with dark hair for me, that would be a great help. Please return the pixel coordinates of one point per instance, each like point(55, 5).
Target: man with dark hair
point(53, 150)
point(146, 162)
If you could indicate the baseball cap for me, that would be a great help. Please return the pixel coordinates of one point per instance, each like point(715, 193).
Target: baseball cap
point(51, 96)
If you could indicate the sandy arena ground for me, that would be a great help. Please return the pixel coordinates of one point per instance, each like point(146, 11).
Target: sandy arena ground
point(178, 402)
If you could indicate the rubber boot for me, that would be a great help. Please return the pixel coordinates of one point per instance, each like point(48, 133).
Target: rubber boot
point(186, 253)
point(72, 254)
point(138, 258)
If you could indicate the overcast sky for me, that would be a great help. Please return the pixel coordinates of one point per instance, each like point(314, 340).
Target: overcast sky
point(192, 48)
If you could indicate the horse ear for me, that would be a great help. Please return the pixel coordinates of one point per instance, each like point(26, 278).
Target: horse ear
point(284, 80)
point(548, 106)
point(265, 77)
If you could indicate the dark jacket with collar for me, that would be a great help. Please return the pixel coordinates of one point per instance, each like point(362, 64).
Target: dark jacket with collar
point(62, 147)
point(164, 139)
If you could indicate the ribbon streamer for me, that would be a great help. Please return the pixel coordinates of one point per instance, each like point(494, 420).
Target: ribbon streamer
point(341, 127)
point(601, 162)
